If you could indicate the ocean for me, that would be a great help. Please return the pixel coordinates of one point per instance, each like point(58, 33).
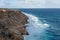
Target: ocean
point(43, 24)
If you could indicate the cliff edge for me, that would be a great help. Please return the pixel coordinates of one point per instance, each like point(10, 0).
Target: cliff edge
point(12, 24)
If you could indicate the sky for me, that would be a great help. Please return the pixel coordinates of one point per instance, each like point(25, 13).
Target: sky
point(29, 3)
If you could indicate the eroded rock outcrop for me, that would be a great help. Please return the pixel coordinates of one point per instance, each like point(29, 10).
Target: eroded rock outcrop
point(12, 24)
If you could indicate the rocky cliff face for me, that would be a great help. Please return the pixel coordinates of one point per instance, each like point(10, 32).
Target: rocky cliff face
point(12, 24)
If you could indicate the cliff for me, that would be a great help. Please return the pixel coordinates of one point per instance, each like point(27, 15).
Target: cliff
point(12, 24)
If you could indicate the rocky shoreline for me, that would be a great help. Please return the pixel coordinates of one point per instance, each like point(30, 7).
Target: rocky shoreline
point(12, 24)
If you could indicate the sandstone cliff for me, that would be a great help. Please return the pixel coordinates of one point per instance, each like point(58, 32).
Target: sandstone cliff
point(12, 24)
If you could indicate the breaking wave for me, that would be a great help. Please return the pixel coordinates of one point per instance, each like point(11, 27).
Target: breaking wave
point(35, 28)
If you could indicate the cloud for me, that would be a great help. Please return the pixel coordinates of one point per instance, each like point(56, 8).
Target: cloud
point(29, 3)
point(53, 3)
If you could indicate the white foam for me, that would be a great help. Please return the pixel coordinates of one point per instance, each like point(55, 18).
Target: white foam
point(35, 27)
point(33, 20)
point(46, 25)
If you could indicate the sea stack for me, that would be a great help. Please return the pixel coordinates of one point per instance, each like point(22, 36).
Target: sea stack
point(12, 24)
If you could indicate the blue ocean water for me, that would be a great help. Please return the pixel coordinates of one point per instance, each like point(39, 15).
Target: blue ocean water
point(44, 24)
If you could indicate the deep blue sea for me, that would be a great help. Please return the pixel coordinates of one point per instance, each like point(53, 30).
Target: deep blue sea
point(43, 24)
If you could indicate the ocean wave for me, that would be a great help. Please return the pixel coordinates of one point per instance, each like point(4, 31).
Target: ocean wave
point(35, 27)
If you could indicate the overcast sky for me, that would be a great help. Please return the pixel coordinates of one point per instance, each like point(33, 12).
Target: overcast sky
point(29, 3)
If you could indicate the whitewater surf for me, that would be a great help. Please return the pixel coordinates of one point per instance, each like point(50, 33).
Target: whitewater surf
point(35, 28)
